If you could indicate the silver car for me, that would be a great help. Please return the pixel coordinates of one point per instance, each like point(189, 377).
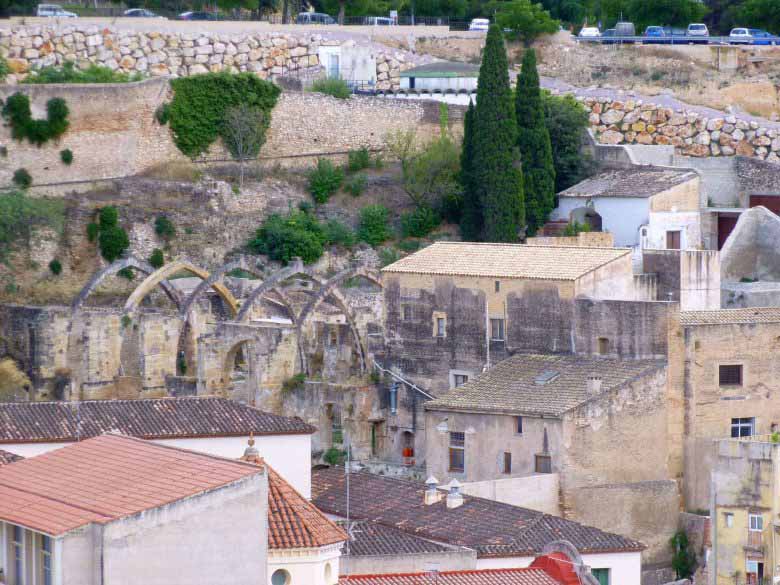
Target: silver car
point(54, 10)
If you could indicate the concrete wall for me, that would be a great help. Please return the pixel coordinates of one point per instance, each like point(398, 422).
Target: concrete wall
point(699, 280)
point(537, 492)
point(185, 530)
point(313, 566)
point(455, 560)
point(109, 143)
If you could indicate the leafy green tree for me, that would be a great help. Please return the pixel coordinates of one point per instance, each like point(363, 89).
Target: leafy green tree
point(525, 21)
point(471, 211)
point(533, 139)
point(498, 181)
point(683, 559)
point(157, 260)
point(572, 11)
point(244, 134)
point(567, 122)
point(762, 13)
point(373, 228)
point(284, 238)
point(644, 13)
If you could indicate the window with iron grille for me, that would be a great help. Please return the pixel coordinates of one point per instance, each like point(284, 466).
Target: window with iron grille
point(730, 375)
point(457, 451)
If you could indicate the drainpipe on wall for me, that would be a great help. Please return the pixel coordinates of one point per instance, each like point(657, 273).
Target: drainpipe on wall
point(487, 334)
point(712, 570)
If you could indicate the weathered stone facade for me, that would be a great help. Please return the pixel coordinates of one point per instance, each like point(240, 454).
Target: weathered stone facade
point(178, 54)
point(635, 122)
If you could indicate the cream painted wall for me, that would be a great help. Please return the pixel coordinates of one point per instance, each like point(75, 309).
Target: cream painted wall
point(306, 566)
point(625, 568)
point(289, 455)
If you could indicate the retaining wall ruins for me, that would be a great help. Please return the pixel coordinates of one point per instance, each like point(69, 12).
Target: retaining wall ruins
point(635, 122)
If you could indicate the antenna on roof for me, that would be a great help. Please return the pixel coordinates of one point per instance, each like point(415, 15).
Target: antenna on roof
point(78, 420)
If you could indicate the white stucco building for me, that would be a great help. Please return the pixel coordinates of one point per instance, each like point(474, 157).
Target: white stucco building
point(212, 425)
point(114, 510)
point(644, 207)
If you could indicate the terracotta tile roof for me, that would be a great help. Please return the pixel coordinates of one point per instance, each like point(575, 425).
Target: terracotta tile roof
point(293, 521)
point(156, 418)
point(474, 577)
point(7, 457)
point(372, 539)
point(106, 478)
point(731, 316)
point(639, 181)
point(493, 529)
point(515, 385)
point(506, 260)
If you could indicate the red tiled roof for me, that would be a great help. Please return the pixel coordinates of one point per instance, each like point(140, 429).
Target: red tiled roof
point(150, 418)
point(293, 521)
point(106, 478)
point(475, 577)
point(7, 457)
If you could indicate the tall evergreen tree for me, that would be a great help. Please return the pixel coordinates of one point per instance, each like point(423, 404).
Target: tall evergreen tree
point(471, 215)
point(498, 180)
point(533, 138)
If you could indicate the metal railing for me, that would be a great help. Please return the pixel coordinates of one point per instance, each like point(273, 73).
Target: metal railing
point(755, 539)
point(676, 40)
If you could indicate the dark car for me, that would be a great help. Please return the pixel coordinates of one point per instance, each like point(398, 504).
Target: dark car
point(656, 35)
point(198, 16)
point(762, 37)
point(139, 13)
point(608, 37)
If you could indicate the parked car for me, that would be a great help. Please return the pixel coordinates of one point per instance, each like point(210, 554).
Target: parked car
point(139, 13)
point(479, 24)
point(625, 29)
point(54, 10)
point(698, 33)
point(740, 36)
point(313, 18)
point(608, 37)
point(762, 37)
point(199, 15)
point(379, 21)
point(656, 35)
point(589, 32)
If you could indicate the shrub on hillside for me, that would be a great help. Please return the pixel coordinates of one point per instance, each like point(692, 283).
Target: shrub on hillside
point(112, 238)
point(20, 214)
point(337, 234)
point(164, 227)
point(18, 114)
point(336, 88)
point(420, 222)
point(157, 260)
point(69, 73)
point(22, 178)
point(4, 69)
point(66, 156)
point(356, 184)
point(324, 180)
point(55, 266)
point(359, 159)
point(284, 238)
point(373, 228)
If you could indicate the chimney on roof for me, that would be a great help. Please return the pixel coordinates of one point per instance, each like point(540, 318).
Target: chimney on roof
point(593, 384)
point(251, 454)
point(432, 495)
point(454, 497)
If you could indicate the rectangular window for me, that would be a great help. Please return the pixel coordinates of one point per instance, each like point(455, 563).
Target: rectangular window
point(441, 326)
point(17, 553)
point(756, 522)
point(498, 286)
point(45, 561)
point(460, 379)
point(543, 464)
point(507, 463)
point(407, 312)
point(673, 240)
point(603, 346)
point(751, 567)
point(729, 517)
point(457, 451)
point(743, 427)
point(336, 432)
point(333, 337)
point(730, 375)
point(519, 425)
point(601, 575)
point(497, 329)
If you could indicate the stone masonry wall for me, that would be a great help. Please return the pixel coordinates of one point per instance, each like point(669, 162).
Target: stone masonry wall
point(635, 122)
point(113, 132)
point(178, 54)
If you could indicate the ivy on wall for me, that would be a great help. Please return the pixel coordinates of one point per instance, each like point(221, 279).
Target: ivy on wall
point(17, 113)
point(197, 112)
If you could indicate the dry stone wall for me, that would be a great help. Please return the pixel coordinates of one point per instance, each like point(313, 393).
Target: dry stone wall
point(635, 122)
point(113, 131)
point(177, 53)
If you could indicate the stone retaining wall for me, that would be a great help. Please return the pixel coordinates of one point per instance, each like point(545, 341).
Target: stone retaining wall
point(635, 122)
point(178, 53)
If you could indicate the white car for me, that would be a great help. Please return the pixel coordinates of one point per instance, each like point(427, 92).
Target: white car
point(589, 32)
point(54, 10)
point(698, 33)
point(740, 36)
point(479, 24)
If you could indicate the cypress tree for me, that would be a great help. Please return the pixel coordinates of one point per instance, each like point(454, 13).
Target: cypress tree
point(498, 181)
point(471, 215)
point(533, 138)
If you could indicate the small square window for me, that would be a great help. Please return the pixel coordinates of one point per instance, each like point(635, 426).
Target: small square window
point(730, 375)
point(497, 329)
point(743, 427)
point(543, 464)
point(497, 284)
point(756, 522)
point(519, 425)
point(460, 379)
